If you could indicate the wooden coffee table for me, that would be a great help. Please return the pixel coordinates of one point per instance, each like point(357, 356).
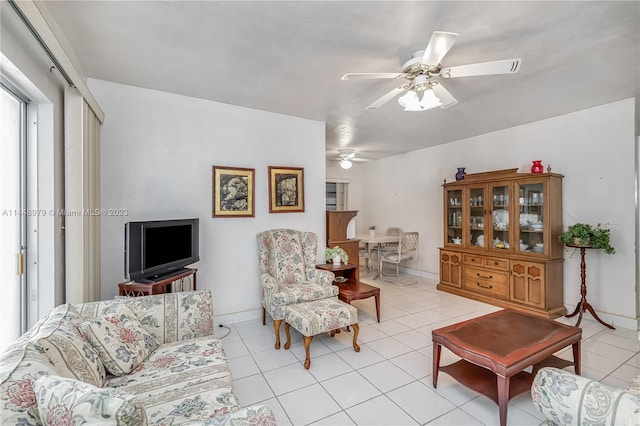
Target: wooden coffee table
point(496, 348)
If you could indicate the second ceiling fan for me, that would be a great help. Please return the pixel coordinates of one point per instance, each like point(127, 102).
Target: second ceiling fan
point(423, 92)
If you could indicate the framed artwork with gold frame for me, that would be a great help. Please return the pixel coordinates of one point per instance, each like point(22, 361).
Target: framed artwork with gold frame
point(233, 192)
point(286, 189)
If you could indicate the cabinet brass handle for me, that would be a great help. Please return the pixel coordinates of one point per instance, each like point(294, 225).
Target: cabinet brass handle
point(486, 278)
point(489, 287)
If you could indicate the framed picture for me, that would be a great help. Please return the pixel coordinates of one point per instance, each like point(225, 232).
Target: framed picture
point(233, 192)
point(286, 189)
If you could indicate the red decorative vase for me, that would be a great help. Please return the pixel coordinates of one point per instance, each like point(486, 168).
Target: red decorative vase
point(537, 167)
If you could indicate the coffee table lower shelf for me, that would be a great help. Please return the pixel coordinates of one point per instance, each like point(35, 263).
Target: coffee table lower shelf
point(483, 380)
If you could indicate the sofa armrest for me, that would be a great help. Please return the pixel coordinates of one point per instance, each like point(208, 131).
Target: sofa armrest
point(169, 317)
point(255, 415)
point(567, 399)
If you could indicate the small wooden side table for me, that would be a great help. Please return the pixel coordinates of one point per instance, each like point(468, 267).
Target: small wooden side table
point(352, 289)
point(583, 305)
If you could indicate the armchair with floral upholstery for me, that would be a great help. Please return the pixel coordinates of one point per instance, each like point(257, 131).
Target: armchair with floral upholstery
point(566, 399)
point(288, 273)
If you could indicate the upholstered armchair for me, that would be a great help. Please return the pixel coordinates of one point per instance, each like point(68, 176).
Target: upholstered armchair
point(567, 399)
point(288, 273)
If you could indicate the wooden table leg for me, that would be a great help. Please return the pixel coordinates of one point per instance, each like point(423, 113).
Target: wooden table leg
point(583, 305)
point(576, 357)
point(377, 296)
point(503, 398)
point(307, 342)
point(356, 330)
point(436, 363)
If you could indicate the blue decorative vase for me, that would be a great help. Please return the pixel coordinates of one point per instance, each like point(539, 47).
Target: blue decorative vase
point(460, 174)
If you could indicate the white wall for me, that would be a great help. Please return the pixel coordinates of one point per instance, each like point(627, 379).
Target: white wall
point(593, 149)
point(157, 151)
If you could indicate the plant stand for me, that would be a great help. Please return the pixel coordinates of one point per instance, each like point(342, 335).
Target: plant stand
point(583, 305)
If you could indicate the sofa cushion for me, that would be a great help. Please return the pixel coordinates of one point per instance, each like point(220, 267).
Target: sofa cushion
point(22, 363)
point(63, 401)
point(72, 355)
point(182, 382)
point(120, 340)
point(168, 317)
point(67, 349)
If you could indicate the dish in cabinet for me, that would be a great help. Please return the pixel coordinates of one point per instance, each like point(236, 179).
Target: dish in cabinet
point(501, 218)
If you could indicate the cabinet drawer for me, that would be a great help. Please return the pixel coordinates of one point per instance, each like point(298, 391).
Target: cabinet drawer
point(493, 283)
point(473, 259)
point(497, 263)
point(488, 262)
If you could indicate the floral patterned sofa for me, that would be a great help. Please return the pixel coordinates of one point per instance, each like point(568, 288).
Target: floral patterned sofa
point(567, 399)
point(144, 360)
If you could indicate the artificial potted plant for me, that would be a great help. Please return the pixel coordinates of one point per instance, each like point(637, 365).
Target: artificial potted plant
point(336, 255)
point(584, 234)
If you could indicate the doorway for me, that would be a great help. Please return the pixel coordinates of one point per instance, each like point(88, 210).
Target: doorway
point(13, 212)
point(336, 194)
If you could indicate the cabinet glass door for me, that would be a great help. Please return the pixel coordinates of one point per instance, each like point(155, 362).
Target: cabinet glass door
point(500, 218)
point(531, 217)
point(454, 216)
point(476, 237)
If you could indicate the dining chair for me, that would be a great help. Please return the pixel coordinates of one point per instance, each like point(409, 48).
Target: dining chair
point(407, 250)
point(363, 253)
point(388, 247)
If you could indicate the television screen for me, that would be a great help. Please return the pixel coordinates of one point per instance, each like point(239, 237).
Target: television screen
point(155, 249)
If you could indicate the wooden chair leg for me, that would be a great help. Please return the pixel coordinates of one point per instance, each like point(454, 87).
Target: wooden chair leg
point(264, 316)
point(276, 328)
point(287, 331)
point(356, 330)
point(307, 342)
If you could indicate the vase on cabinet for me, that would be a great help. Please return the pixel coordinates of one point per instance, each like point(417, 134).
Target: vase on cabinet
point(336, 260)
point(460, 174)
point(537, 167)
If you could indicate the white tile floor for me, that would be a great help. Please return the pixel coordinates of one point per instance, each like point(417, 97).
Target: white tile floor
point(389, 381)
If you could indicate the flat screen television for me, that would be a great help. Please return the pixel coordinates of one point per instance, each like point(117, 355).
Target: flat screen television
point(159, 248)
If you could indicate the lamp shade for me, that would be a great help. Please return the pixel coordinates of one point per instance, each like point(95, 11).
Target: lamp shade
point(412, 102)
point(346, 164)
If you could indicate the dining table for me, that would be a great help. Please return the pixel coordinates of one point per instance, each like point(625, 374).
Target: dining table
point(378, 240)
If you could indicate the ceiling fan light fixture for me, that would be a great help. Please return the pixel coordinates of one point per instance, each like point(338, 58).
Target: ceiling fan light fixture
point(412, 102)
point(346, 164)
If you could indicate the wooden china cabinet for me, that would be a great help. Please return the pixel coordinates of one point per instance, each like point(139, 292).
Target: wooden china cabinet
point(501, 240)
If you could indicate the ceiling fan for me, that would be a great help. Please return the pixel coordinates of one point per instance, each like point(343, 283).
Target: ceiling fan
point(347, 157)
point(423, 91)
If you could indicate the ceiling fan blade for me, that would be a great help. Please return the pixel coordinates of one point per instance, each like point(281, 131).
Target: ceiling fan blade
point(386, 98)
point(445, 97)
point(370, 75)
point(439, 44)
point(508, 66)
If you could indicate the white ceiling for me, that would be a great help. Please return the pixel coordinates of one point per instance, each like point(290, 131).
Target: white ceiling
point(288, 57)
